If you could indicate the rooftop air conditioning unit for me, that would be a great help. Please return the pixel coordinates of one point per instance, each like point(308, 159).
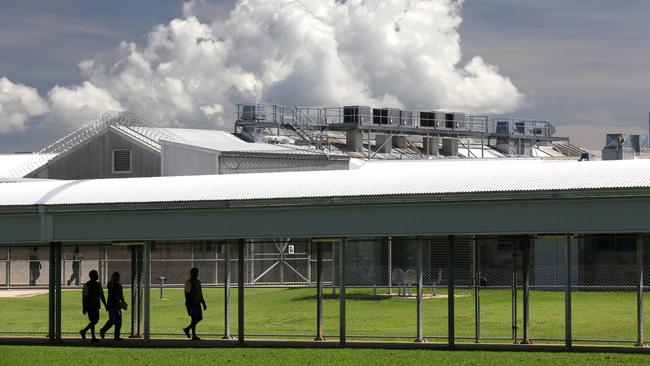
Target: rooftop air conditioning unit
point(356, 115)
point(503, 127)
point(455, 121)
point(431, 119)
point(253, 113)
point(407, 118)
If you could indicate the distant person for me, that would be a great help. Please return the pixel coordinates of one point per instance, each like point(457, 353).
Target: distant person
point(76, 267)
point(92, 295)
point(193, 302)
point(114, 306)
point(34, 267)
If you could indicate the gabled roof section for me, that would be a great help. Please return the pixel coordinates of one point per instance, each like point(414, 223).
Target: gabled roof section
point(126, 124)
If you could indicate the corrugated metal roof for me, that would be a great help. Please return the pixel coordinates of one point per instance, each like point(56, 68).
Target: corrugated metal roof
point(434, 178)
point(18, 165)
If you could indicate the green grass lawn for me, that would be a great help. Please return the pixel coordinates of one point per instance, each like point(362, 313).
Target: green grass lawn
point(291, 313)
point(41, 355)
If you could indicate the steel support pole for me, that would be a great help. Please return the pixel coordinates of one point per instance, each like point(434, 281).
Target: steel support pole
point(418, 259)
point(390, 265)
point(8, 267)
point(57, 284)
point(451, 337)
point(226, 289)
point(477, 291)
point(515, 244)
point(240, 291)
point(134, 297)
point(342, 330)
point(147, 291)
point(140, 267)
point(526, 281)
point(51, 294)
point(319, 292)
point(639, 294)
point(567, 295)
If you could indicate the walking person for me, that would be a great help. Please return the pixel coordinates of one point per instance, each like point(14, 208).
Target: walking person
point(93, 297)
point(76, 267)
point(114, 306)
point(34, 267)
point(193, 302)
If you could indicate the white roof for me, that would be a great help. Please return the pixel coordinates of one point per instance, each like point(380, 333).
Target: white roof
point(12, 165)
point(459, 177)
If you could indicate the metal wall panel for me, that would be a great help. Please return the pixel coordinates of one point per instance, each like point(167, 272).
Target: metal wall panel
point(437, 218)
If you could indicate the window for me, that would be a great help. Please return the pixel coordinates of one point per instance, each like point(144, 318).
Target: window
point(122, 161)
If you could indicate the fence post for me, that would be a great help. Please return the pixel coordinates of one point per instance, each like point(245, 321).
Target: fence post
point(515, 246)
point(226, 289)
point(639, 294)
point(134, 297)
point(342, 330)
point(240, 291)
point(140, 269)
point(52, 295)
point(57, 284)
point(451, 337)
point(567, 295)
point(526, 279)
point(147, 291)
point(8, 267)
point(418, 260)
point(319, 292)
point(390, 265)
point(477, 290)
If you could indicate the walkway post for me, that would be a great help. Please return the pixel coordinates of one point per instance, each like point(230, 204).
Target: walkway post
point(418, 259)
point(134, 298)
point(639, 294)
point(450, 293)
point(567, 295)
point(342, 330)
point(52, 295)
point(226, 289)
point(477, 290)
point(147, 291)
point(319, 291)
point(57, 286)
point(526, 279)
point(390, 265)
point(140, 268)
point(515, 245)
point(240, 291)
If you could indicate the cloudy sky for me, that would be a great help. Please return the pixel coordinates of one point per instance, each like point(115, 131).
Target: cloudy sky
point(585, 65)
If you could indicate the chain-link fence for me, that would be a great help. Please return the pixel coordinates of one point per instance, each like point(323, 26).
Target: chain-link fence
point(501, 284)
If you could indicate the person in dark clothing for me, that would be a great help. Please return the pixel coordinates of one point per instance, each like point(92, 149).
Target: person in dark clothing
point(92, 295)
point(114, 307)
point(34, 267)
point(193, 302)
point(76, 267)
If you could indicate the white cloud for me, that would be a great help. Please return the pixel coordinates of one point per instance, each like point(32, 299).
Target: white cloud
point(76, 105)
point(18, 103)
point(192, 71)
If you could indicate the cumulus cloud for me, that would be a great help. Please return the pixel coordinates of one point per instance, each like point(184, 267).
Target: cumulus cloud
point(193, 70)
point(79, 104)
point(18, 103)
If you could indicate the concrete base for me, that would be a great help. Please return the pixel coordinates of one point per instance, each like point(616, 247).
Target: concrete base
point(449, 147)
point(354, 140)
point(384, 143)
point(431, 145)
point(399, 142)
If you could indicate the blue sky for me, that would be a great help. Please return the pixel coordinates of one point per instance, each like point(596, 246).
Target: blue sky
point(585, 65)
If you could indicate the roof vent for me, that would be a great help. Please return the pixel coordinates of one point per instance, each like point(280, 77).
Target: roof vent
point(122, 161)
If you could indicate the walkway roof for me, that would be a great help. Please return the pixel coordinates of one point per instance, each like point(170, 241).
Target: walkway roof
point(375, 179)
